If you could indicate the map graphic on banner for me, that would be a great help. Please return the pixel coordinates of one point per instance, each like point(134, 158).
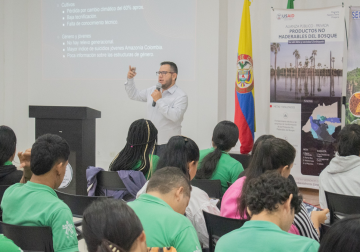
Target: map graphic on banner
point(322, 122)
point(306, 76)
point(353, 75)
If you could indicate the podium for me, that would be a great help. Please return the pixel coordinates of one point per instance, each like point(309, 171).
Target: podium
point(77, 126)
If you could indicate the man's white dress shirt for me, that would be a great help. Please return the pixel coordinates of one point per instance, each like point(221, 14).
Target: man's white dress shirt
point(169, 111)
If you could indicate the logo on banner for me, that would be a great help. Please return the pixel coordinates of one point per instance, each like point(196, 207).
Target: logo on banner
point(285, 16)
point(244, 79)
point(356, 14)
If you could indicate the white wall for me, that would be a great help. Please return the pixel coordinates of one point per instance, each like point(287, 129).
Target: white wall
point(211, 95)
point(20, 26)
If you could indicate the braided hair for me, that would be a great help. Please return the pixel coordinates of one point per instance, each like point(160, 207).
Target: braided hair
point(225, 136)
point(140, 142)
point(7, 143)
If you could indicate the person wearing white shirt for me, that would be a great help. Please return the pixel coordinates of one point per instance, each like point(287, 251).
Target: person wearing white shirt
point(171, 102)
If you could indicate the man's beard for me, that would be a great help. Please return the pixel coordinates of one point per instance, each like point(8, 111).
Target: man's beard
point(166, 85)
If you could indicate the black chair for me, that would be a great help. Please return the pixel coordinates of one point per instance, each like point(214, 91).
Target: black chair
point(229, 183)
point(218, 226)
point(29, 238)
point(242, 158)
point(109, 180)
point(341, 205)
point(211, 187)
point(77, 203)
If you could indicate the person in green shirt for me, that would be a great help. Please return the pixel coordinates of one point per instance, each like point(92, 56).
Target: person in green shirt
point(8, 245)
point(215, 163)
point(9, 174)
point(272, 202)
point(36, 203)
point(161, 211)
point(139, 148)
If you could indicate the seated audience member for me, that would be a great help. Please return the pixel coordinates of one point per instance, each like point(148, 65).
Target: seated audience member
point(342, 175)
point(215, 163)
point(9, 174)
point(36, 203)
point(343, 236)
point(271, 201)
point(161, 211)
point(270, 154)
point(138, 151)
point(183, 153)
point(8, 245)
point(111, 223)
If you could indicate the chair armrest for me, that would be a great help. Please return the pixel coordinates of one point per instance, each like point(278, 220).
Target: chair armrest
point(78, 223)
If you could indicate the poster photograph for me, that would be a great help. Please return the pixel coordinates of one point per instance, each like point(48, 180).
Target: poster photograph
point(306, 76)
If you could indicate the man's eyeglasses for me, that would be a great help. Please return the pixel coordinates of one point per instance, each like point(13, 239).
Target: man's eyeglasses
point(163, 73)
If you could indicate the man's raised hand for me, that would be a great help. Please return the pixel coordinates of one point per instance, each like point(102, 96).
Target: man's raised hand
point(131, 74)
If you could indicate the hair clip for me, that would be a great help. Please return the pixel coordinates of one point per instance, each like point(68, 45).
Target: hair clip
point(131, 146)
point(113, 248)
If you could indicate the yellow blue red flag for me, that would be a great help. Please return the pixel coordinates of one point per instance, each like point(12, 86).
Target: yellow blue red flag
point(244, 84)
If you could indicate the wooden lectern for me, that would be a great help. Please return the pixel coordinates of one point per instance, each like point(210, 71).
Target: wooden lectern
point(77, 126)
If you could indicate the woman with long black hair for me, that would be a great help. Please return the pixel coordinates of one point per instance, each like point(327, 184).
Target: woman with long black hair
point(111, 225)
point(139, 148)
point(215, 163)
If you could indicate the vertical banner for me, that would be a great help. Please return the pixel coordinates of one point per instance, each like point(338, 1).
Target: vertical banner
point(352, 114)
point(306, 74)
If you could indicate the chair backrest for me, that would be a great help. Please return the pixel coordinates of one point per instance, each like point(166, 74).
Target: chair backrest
point(218, 226)
point(2, 190)
point(242, 158)
point(211, 187)
point(77, 203)
point(110, 180)
point(341, 205)
point(29, 238)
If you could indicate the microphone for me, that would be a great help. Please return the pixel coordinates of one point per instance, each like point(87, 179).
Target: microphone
point(158, 86)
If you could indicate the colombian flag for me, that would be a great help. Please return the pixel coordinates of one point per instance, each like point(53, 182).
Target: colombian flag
point(244, 84)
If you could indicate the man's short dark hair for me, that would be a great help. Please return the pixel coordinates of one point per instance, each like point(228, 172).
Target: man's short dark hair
point(349, 140)
point(269, 191)
point(172, 65)
point(46, 151)
point(168, 178)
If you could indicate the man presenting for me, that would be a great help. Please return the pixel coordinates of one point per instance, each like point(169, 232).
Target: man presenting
point(171, 101)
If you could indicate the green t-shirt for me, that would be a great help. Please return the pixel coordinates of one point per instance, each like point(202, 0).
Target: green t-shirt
point(264, 236)
point(155, 160)
point(33, 204)
point(227, 169)
point(8, 245)
point(163, 226)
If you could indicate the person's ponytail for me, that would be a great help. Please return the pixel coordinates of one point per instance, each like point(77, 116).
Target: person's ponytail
point(225, 137)
point(208, 164)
